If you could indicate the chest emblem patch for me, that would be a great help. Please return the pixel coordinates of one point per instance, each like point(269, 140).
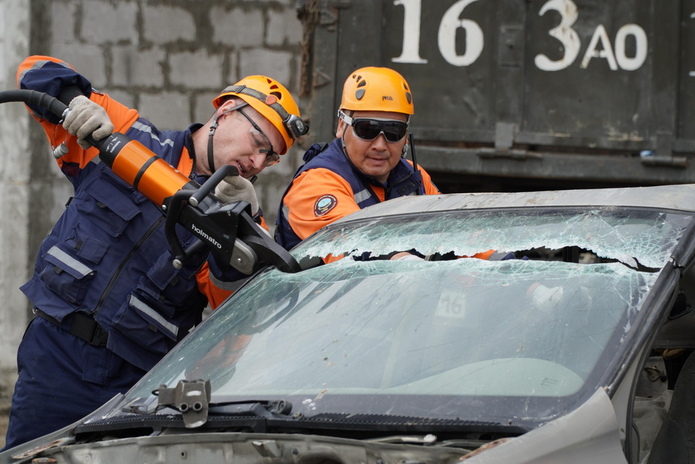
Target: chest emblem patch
point(324, 204)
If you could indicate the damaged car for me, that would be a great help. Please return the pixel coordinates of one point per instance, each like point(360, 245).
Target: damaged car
point(569, 342)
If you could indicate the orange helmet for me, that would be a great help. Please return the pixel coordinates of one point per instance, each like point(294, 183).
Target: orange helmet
point(377, 89)
point(273, 101)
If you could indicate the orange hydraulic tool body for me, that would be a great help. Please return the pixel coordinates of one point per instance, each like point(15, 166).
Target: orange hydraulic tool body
point(227, 230)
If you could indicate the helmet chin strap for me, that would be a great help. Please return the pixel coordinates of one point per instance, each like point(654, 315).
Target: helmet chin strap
point(342, 143)
point(213, 128)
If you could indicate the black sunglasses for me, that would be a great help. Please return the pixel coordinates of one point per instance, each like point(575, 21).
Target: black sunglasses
point(370, 128)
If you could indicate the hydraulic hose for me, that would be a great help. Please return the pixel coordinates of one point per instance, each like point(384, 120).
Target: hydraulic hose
point(129, 159)
point(227, 230)
point(32, 97)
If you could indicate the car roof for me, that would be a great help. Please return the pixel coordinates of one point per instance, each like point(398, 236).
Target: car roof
point(668, 197)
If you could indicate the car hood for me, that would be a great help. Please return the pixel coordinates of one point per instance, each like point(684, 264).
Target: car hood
point(588, 434)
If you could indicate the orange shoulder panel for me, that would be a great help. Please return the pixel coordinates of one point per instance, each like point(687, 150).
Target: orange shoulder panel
point(35, 62)
point(317, 198)
point(121, 116)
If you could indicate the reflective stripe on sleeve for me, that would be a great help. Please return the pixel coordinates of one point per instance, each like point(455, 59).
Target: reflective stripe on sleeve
point(148, 130)
point(362, 195)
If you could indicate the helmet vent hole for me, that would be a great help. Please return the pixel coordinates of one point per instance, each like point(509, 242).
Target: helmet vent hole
point(377, 89)
point(277, 94)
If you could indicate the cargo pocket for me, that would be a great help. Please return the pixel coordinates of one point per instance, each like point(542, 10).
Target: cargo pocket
point(108, 207)
point(85, 246)
point(65, 275)
point(172, 288)
point(144, 325)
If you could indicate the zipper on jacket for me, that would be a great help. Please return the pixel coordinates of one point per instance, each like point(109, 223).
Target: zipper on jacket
point(117, 274)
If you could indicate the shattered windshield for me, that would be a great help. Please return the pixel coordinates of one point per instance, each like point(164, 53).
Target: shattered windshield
point(516, 339)
point(642, 237)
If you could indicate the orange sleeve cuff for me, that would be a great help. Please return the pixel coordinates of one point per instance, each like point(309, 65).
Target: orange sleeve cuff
point(214, 294)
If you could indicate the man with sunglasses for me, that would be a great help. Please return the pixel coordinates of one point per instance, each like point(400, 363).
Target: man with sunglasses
point(364, 165)
point(109, 303)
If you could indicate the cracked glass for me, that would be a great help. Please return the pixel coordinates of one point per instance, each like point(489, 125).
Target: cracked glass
point(521, 336)
point(638, 237)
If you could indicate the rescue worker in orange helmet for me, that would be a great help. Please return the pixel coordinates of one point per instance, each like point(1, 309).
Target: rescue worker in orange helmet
point(109, 303)
point(364, 165)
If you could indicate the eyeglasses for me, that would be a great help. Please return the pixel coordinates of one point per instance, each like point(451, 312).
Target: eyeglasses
point(370, 128)
point(271, 156)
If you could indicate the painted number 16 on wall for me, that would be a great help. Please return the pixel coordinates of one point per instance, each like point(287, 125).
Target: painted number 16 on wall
point(601, 46)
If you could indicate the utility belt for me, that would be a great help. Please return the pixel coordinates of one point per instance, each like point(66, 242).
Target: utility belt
point(79, 325)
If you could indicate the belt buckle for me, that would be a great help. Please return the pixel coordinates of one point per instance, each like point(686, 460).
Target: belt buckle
point(99, 336)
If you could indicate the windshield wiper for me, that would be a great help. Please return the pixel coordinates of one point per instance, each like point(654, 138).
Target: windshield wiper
point(192, 399)
point(275, 416)
point(379, 424)
point(256, 408)
point(248, 415)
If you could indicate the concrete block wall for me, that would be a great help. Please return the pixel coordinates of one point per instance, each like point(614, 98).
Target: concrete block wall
point(15, 189)
point(168, 59)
